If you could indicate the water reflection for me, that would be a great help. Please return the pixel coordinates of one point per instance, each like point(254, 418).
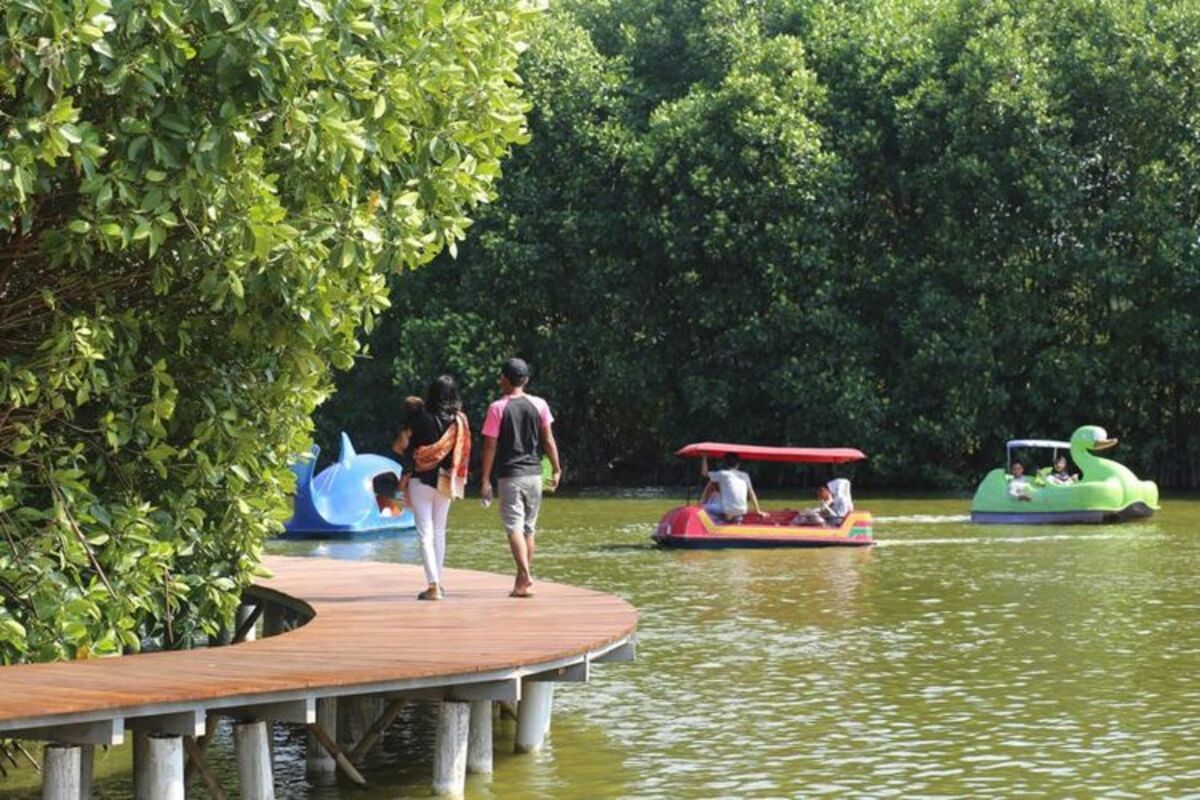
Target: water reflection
point(383, 546)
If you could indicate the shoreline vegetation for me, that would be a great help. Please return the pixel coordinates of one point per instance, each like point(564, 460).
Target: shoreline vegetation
point(917, 228)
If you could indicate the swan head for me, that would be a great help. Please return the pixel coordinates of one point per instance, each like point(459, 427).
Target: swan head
point(1092, 438)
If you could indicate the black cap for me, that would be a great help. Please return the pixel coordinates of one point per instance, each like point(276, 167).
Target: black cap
point(516, 370)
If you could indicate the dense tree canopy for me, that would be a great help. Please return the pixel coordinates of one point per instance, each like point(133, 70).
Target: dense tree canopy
point(916, 226)
point(199, 200)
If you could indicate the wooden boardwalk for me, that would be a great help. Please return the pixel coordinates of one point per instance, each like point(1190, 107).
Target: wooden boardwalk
point(366, 634)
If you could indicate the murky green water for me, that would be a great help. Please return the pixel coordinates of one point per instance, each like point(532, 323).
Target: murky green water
point(951, 660)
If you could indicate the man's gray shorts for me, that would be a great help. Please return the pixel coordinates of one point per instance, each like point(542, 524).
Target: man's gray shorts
point(520, 499)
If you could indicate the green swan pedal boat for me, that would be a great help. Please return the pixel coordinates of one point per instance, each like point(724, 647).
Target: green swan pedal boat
point(1105, 492)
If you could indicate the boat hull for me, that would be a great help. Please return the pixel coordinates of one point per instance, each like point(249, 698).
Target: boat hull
point(1087, 502)
point(373, 528)
point(1081, 517)
point(692, 527)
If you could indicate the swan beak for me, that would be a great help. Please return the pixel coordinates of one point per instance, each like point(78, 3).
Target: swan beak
point(1105, 444)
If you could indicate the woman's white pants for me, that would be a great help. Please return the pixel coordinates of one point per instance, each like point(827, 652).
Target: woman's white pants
point(430, 512)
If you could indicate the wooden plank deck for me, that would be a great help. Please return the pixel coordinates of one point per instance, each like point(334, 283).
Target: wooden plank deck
point(369, 635)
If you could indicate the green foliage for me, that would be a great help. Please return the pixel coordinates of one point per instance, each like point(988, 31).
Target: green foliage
point(916, 226)
point(199, 202)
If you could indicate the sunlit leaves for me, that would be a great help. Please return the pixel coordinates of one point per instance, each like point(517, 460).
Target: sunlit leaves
point(199, 201)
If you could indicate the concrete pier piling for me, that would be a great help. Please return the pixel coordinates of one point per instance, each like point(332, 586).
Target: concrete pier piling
point(479, 743)
point(158, 774)
point(533, 715)
point(450, 748)
point(355, 716)
point(252, 743)
point(87, 762)
point(60, 772)
point(320, 761)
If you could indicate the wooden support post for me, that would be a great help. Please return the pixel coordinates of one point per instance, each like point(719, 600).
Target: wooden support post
point(377, 729)
point(320, 761)
point(87, 762)
point(197, 763)
point(252, 743)
point(479, 747)
point(533, 715)
point(326, 741)
point(60, 772)
point(450, 748)
point(192, 768)
point(159, 774)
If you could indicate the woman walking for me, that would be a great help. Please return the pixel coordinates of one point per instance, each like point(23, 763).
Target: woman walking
point(440, 451)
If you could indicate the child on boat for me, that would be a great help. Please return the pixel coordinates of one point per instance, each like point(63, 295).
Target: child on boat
point(387, 490)
point(833, 504)
point(1018, 484)
point(1060, 474)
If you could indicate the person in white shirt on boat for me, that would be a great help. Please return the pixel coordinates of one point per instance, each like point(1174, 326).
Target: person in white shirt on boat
point(835, 501)
point(833, 504)
point(728, 490)
point(1018, 484)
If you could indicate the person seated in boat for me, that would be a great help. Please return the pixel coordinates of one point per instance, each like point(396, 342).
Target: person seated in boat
point(833, 504)
point(728, 490)
point(1018, 485)
point(1060, 474)
point(387, 489)
point(839, 504)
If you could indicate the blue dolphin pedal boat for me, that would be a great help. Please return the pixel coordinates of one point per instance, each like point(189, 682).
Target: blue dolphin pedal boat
point(339, 503)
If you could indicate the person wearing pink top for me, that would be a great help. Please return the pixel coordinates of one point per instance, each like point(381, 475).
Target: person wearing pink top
point(516, 431)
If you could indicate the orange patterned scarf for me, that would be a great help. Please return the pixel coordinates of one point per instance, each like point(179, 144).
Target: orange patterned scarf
point(455, 442)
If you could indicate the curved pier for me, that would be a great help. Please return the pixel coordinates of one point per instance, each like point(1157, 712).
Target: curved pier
point(349, 630)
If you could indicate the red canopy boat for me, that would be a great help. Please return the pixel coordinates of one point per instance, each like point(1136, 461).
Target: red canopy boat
point(693, 526)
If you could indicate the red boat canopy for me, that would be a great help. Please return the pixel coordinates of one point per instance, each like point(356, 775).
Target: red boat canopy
point(794, 455)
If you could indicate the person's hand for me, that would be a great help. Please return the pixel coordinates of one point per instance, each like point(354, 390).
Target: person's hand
point(485, 493)
point(555, 478)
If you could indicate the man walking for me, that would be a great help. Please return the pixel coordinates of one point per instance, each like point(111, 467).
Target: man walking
point(515, 433)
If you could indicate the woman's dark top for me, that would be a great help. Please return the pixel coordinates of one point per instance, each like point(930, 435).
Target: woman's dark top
point(427, 428)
